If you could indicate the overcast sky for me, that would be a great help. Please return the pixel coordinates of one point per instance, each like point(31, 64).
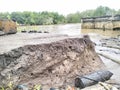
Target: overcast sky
point(61, 6)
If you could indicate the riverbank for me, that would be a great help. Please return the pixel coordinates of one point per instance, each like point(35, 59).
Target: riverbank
point(9, 42)
point(48, 59)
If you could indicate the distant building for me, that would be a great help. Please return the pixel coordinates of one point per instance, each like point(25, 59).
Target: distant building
point(103, 22)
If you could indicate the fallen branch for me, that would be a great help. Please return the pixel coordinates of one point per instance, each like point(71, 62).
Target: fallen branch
point(110, 57)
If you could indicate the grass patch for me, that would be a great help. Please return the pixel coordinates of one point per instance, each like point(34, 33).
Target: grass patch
point(28, 28)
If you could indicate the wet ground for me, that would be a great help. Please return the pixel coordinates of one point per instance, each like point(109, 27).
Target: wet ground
point(109, 51)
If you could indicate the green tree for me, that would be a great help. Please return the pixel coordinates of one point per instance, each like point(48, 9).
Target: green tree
point(4, 15)
point(74, 18)
point(47, 18)
point(17, 16)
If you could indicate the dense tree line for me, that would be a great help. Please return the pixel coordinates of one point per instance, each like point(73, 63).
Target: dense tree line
point(47, 18)
point(34, 18)
point(99, 11)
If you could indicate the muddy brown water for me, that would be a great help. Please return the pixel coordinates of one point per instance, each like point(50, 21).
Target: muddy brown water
point(107, 33)
point(70, 29)
point(75, 29)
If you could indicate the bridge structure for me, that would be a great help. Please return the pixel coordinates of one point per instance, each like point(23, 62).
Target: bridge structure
point(104, 22)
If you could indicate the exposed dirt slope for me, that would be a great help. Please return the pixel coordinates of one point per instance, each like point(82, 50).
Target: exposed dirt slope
point(53, 64)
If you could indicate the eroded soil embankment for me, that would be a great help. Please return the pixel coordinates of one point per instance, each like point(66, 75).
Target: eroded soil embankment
point(52, 65)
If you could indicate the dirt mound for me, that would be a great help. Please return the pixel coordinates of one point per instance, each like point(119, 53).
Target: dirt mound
point(52, 65)
point(7, 27)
